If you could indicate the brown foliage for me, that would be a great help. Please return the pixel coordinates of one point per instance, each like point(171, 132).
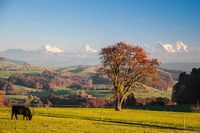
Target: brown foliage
point(126, 65)
point(98, 102)
point(49, 80)
point(154, 101)
point(7, 87)
point(161, 80)
point(2, 95)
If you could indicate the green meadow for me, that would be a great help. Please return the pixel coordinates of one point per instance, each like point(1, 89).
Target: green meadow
point(100, 120)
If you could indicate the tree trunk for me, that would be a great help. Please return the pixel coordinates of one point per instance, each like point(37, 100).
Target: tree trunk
point(118, 106)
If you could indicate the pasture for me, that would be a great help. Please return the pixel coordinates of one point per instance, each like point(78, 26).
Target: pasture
point(100, 120)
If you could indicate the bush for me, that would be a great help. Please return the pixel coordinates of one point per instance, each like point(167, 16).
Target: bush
point(153, 101)
point(130, 101)
point(195, 108)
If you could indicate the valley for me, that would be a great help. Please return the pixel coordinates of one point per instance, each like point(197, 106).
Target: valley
point(77, 84)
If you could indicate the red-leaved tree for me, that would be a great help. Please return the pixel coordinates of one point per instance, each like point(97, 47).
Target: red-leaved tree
point(126, 65)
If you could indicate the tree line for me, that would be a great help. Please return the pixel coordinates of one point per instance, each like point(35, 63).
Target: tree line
point(187, 89)
point(48, 80)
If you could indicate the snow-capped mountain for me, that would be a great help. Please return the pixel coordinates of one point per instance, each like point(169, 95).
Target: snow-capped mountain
point(89, 49)
point(179, 47)
point(51, 49)
point(49, 55)
point(173, 53)
point(168, 48)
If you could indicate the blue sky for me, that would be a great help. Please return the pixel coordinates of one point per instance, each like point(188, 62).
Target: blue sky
point(71, 24)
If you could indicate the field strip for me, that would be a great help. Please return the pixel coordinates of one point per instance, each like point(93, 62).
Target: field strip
point(120, 122)
point(96, 115)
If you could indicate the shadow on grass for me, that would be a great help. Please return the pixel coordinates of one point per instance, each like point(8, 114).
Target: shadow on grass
point(175, 108)
point(5, 118)
point(112, 121)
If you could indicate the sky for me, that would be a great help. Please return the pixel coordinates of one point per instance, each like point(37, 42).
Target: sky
point(72, 24)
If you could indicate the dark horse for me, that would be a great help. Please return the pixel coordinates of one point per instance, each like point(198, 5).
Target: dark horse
point(22, 110)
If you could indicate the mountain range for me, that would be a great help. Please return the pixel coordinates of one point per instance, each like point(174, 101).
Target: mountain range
point(53, 56)
point(178, 56)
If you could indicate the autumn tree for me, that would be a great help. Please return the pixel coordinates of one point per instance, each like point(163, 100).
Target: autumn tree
point(89, 83)
point(2, 95)
point(126, 66)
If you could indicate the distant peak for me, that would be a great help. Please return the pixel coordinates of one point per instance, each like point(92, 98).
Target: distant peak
point(179, 47)
point(52, 49)
point(169, 48)
point(89, 49)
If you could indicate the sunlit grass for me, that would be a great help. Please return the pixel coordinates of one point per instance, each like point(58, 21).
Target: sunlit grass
point(154, 94)
point(22, 88)
point(18, 97)
point(99, 120)
point(6, 74)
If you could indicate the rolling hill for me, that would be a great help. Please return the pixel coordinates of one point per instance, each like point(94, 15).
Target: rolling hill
point(10, 66)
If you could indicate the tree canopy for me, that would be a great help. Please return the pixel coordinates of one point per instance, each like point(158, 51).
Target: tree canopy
point(187, 89)
point(126, 66)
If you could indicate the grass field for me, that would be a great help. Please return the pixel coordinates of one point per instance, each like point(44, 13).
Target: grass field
point(108, 93)
point(153, 94)
point(16, 97)
point(6, 74)
point(22, 88)
point(100, 120)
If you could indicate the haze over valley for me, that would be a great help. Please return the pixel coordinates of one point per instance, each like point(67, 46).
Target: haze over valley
point(177, 56)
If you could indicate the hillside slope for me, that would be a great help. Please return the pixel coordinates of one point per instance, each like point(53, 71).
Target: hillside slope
point(165, 79)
